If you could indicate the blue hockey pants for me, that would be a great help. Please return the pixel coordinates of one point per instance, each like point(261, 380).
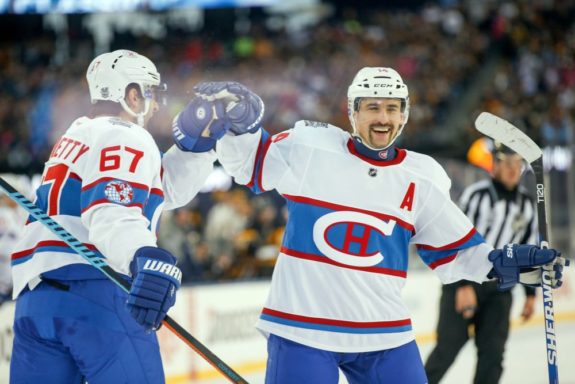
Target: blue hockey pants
point(76, 331)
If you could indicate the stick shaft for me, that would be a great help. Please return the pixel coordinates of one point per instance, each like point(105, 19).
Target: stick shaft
point(511, 136)
point(101, 264)
point(548, 309)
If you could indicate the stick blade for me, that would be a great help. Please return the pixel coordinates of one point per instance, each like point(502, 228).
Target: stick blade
point(506, 133)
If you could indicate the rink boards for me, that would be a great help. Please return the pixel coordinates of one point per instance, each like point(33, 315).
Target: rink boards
point(222, 317)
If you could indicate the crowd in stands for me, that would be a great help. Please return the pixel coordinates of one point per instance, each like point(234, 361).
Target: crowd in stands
point(225, 235)
point(535, 82)
point(303, 75)
point(300, 74)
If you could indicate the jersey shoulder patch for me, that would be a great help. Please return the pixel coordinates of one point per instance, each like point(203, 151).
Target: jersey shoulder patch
point(118, 121)
point(315, 124)
point(329, 137)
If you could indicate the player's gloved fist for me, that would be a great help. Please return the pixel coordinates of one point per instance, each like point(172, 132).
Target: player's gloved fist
point(553, 274)
point(153, 292)
point(244, 109)
point(200, 125)
point(509, 262)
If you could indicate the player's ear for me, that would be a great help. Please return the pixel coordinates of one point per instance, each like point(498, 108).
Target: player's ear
point(132, 98)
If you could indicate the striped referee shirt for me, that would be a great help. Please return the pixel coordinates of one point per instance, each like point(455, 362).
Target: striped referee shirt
point(500, 215)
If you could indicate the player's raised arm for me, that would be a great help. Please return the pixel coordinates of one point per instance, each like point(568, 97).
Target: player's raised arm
point(247, 151)
point(188, 163)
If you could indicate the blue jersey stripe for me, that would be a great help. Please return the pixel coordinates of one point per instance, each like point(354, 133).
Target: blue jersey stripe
point(300, 227)
point(434, 257)
point(67, 203)
point(47, 246)
point(100, 192)
point(154, 201)
point(335, 328)
point(323, 259)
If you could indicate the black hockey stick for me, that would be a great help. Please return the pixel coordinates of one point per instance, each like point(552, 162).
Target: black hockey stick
point(101, 264)
point(511, 136)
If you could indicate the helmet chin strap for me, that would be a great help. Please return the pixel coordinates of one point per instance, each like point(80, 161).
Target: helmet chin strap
point(139, 116)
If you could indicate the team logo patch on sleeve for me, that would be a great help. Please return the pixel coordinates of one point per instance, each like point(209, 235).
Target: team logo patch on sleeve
point(119, 192)
point(316, 124)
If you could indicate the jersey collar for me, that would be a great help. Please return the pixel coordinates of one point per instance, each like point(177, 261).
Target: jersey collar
point(383, 158)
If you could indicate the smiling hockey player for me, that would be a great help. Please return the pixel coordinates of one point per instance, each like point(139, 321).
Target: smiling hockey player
point(355, 203)
point(106, 182)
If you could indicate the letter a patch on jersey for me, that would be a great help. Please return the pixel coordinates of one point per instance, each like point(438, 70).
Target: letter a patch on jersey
point(407, 202)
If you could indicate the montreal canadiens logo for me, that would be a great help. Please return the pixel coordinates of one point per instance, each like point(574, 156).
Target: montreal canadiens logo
point(382, 155)
point(351, 238)
point(119, 192)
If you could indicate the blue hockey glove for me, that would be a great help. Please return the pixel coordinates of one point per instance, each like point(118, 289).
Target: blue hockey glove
point(513, 261)
point(244, 109)
point(153, 292)
point(200, 125)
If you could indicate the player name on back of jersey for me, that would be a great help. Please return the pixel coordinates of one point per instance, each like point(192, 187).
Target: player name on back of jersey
point(68, 149)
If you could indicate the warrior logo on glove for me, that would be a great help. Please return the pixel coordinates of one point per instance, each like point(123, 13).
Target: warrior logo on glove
point(165, 268)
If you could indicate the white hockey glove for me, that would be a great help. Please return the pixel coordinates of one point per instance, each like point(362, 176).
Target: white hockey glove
point(244, 108)
point(532, 276)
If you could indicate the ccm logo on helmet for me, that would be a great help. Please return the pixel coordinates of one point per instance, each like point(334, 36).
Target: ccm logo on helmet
point(358, 235)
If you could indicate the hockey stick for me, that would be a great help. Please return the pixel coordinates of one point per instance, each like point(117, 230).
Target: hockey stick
point(101, 264)
point(511, 136)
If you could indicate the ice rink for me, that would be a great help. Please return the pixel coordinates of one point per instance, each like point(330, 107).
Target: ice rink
point(524, 358)
point(222, 316)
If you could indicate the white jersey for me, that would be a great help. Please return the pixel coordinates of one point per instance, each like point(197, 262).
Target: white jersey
point(106, 182)
point(343, 262)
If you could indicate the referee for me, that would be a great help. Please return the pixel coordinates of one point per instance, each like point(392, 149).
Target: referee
point(503, 213)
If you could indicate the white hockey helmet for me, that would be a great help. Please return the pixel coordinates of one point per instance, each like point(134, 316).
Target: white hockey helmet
point(109, 74)
point(377, 82)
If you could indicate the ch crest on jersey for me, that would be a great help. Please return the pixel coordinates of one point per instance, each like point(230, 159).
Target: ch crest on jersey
point(351, 238)
point(119, 192)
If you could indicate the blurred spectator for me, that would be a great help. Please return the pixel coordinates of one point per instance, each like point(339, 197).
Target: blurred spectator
point(225, 221)
point(179, 234)
point(557, 128)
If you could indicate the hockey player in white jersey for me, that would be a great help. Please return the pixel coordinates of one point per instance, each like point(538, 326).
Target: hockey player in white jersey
point(355, 204)
point(106, 182)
